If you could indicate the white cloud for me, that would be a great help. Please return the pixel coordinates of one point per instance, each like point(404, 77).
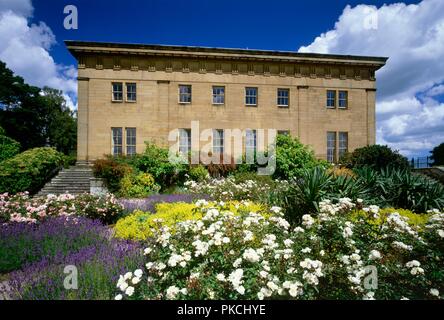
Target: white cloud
point(26, 48)
point(412, 36)
point(20, 7)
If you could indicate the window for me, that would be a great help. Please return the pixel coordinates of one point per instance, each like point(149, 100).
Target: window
point(251, 96)
point(117, 91)
point(130, 141)
point(283, 97)
point(343, 143)
point(184, 141)
point(185, 94)
point(343, 100)
point(218, 95)
point(117, 141)
point(283, 133)
point(331, 146)
point(331, 99)
point(218, 141)
point(250, 142)
point(131, 94)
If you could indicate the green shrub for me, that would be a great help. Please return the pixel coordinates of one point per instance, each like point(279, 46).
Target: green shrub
point(198, 173)
point(8, 148)
point(292, 158)
point(30, 170)
point(112, 172)
point(404, 189)
point(155, 162)
point(375, 156)
point(137, 185)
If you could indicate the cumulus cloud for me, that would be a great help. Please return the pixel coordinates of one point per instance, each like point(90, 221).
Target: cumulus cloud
point(25, 48)
point(409, 117)
point(20, 7)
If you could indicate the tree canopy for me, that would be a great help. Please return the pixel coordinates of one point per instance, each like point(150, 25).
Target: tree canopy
point(35, 117)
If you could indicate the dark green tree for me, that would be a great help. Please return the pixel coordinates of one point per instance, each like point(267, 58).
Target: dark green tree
point(438, 155)
point(35, 117)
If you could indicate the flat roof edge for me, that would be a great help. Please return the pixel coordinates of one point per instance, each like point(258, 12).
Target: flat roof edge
point(72, 44)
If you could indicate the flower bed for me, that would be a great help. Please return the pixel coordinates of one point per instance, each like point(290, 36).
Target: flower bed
point(40, 252)
point(148, 204)
point(227, 189)
point(329, 256)
point(22, 208)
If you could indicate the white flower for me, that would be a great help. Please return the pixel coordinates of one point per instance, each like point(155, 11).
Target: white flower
point(369, 296)
point(128, 275)
point(147, 251)
point(434, 292)
point(374, 255)
point(276, 209)
point(172, 292)
point(416, 271)
point(322, 253)
point(236, 277)
point(135, 280)
point(307, 220)
point(237, 262)
point(118, 297)
point(226, 240)
point(413, 263)
point(299, 230)
point(129, 291)
point(251, 255)
point(288, 242)
point(220, 277)
point(401, 245)
point(306, 250)
point(138, 273)
point(240, 289)
point(441, 233)
point(348, 232)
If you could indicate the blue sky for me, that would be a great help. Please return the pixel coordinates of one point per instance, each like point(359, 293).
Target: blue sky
point(410, 105)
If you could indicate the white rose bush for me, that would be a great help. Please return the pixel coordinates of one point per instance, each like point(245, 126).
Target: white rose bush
point(259, 255)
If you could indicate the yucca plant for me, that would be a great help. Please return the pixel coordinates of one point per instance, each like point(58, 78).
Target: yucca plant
point(306, 192)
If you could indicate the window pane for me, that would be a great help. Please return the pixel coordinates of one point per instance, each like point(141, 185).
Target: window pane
point(331, 98)
point(117, 141)
point(117, 91)
point(250, 141)
point(251, 96)
point(331, 146)
point(343, 143)
point(218, 95)
point(185, 94)
point(131, 94)
point(343, 99)
point(130, 141)
point(283, 97)
point(184, 141)
point(218, 141)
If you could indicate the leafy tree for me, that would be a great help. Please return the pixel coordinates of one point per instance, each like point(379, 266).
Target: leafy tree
point(377, 157)
point(438, 155)
point(35, 117)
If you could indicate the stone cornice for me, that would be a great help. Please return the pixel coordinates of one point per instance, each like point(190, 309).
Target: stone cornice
point(78, 48)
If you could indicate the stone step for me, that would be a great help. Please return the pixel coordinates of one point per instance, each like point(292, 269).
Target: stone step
point(75, 180)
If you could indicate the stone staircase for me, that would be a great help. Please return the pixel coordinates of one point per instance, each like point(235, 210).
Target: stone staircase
point(74, 180)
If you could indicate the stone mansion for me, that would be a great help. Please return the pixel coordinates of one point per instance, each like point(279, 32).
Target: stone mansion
point(131, 93)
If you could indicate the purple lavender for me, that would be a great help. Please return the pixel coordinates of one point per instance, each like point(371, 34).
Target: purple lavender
point(99, 267)
point(148, 204)
point(22, 243)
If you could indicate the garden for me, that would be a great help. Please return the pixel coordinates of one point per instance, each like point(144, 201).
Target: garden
point(369, 228)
